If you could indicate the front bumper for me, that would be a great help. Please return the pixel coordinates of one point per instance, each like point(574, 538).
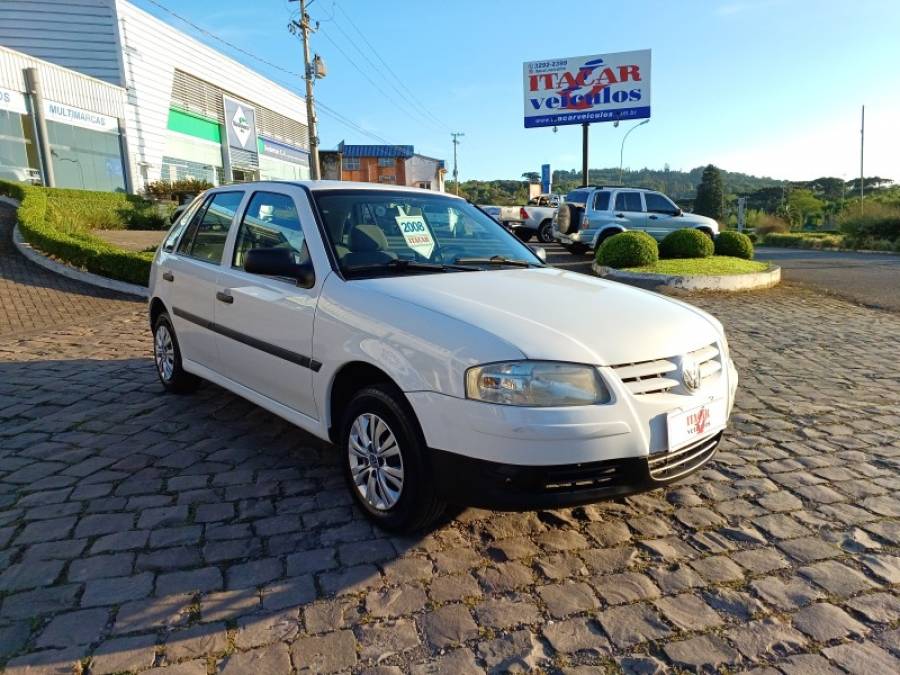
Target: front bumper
point(466, 481)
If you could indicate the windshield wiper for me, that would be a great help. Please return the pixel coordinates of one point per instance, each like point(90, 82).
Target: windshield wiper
point(402, 265)
point(495, 260)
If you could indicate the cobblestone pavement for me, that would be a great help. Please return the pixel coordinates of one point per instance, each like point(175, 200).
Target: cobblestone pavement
point(32, 298)
point(201, 534)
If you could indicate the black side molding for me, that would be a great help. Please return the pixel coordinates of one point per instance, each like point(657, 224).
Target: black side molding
point(280, 352)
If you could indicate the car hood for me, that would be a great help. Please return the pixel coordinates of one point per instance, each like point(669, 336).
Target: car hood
point(553, 314)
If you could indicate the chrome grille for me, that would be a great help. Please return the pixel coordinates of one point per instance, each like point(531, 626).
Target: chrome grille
point(670, 465)
point(662, 375)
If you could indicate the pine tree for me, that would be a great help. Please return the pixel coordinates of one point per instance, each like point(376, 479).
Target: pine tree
point(710, 201)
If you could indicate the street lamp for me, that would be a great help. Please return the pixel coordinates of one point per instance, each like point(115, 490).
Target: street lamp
point(622, 149)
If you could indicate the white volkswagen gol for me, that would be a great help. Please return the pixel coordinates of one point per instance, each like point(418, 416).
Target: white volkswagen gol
point(439, 354)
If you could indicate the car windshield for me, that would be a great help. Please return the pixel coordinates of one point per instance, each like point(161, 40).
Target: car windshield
point(392, 233)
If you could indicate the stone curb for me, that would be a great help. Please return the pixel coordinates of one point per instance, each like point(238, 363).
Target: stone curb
point(39, 258)
point(766, 249)
point(730, 282)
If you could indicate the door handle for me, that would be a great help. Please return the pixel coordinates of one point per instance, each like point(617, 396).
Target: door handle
point(168, 276)
point(620, 215)
point(224, 297)
point(653, 217)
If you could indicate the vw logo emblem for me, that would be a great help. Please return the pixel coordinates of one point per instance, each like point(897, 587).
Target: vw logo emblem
point(690, 373)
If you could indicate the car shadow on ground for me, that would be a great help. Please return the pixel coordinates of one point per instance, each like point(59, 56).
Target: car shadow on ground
point(146, 528)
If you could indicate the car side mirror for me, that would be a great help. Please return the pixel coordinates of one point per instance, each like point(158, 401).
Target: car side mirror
point(679, 212)
point(540, 252)
point(279, 262)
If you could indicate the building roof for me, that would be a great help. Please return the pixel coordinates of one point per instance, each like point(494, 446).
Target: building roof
point(376, 150)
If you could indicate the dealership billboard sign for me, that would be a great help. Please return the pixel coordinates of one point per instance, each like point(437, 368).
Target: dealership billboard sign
point(585, 89)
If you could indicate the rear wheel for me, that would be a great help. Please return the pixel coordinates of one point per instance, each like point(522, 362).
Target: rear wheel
point(603, 236)
point(385, 462)
point(167, 357)
point(545, 232)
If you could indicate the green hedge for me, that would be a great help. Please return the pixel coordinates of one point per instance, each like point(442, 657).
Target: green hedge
point(803, 240)
point(628, 249)
point(686, 243)
point(52, 220)
point(734, 244)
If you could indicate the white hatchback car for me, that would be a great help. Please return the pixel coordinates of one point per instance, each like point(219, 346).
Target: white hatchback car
point(442, 357)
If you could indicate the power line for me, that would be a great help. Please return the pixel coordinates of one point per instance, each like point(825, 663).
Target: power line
point(366, 75)
point(412, 102)
point(342, 119)
point(443, 124)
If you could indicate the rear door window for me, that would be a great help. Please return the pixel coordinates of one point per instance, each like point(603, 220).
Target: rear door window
point(601, 201)
point(206, 238)
point(629, 201)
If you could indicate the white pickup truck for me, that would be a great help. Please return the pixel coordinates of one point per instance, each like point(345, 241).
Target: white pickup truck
point(533, 219)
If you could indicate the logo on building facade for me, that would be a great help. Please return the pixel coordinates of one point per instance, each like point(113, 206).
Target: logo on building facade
point(240, 128)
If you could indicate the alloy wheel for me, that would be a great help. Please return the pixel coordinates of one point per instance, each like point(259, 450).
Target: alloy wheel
point(376, 463)
point(164, 352)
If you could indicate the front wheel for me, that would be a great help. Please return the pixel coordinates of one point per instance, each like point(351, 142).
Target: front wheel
point(576, 249)
point(167, 357)
point(385, 462)
point(545, 232)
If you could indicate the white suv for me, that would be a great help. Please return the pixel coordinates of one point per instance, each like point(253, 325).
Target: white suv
point(445, 361)
point(590, 215)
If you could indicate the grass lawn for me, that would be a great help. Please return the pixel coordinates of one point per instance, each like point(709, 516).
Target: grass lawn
point(719, 265)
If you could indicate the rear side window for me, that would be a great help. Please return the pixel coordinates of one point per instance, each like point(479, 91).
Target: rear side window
point(577, 196)
point(628, 201)
point(601, 201)
point(206, 238)
point(271, 221)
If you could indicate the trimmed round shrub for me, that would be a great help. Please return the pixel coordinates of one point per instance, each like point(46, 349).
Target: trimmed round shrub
point(686, 243)
point(735, 244)
point(628, 249)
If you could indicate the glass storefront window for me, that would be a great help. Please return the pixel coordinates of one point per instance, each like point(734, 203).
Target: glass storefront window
point(271, 168)
point(18, 156)
point(179, 169)
point(90, 160)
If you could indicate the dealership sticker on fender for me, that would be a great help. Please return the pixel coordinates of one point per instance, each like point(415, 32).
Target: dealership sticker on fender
point(690, 425)
point(417, 235)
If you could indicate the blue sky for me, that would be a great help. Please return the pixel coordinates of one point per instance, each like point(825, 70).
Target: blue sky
point(770, 87)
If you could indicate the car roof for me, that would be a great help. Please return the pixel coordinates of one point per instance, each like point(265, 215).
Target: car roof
point(612, 187)
point(323, 185)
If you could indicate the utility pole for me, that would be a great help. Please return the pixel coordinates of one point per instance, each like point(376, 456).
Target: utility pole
point(310, 77)
point(455, 135)
point(862, 147)
point(584, 154)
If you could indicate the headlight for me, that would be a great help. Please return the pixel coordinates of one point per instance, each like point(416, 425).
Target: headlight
point(536, 383)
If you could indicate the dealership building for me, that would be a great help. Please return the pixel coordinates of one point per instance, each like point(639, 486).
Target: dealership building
point(98, 94)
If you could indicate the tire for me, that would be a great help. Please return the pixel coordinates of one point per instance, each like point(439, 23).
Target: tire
point(707, 232)
point(576, 249)
point(568, 218)
point(545, 232)
point(523, 234)
point(406, 505)
point(167, 358)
